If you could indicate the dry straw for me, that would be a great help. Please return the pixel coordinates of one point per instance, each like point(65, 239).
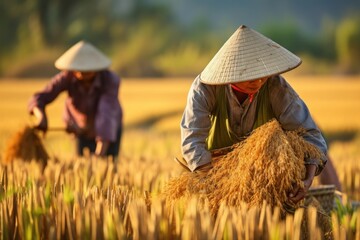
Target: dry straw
point(26, 145)
point(264, 167)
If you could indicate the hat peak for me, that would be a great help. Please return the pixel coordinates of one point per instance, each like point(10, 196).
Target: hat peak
point(248, 55)
point(83, 56)
point(82, 42)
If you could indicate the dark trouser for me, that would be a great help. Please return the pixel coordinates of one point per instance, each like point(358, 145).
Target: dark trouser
point(113, 150)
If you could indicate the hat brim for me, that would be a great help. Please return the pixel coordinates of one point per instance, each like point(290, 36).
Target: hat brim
point(248, 55)
point(83, 57)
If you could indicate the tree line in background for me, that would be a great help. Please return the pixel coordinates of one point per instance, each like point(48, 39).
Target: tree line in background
point(145, 39)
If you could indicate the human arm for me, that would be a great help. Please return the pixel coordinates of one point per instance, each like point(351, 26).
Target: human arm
point(41, 123)
point(195, 125)
point(292, 113)
point(39, 100)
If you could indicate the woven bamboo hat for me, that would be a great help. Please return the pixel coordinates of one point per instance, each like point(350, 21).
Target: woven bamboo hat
point(248, 55)
point(82, 57)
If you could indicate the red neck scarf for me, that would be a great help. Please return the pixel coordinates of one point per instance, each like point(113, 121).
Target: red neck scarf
point(250, 96)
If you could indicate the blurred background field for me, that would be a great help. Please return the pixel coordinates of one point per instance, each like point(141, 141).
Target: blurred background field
point(153, 109)
point(161, 38)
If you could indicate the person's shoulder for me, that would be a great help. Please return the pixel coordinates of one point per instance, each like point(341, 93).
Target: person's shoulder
point(109, 73)
point(278, 82)
point(110, 76)
point(197, 82)
point(62, 76)
point(279, 86)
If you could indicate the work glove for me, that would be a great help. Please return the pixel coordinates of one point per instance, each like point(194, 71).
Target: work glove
point(41, 119)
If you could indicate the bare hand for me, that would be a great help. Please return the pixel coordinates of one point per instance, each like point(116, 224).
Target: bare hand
point(299, 192)
point(41, 124)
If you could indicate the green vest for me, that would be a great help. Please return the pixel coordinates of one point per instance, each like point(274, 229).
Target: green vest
point(220, 134)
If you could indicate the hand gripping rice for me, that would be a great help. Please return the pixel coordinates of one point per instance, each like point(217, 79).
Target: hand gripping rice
point(264, 167)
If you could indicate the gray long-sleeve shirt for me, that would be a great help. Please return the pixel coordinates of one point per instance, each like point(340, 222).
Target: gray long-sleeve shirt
point(288, 108)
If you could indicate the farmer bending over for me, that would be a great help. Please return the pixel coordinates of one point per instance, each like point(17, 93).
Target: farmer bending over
point(92, 108)
point(239, 90)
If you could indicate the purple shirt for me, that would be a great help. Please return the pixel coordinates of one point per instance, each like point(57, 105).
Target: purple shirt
point(96, 111)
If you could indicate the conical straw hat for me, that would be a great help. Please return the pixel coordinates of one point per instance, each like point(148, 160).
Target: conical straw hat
point(82, 57)
point(248, 55)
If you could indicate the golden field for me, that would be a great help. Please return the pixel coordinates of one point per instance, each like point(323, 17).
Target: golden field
point(334, 102)
point(88, 198)
point(154, 107)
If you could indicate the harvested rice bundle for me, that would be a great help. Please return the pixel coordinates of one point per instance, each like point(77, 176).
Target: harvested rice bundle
point(264, 167)
point(26, 145)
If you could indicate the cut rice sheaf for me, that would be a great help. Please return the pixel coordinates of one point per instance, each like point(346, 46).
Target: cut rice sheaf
point(26, 145)
point(264, 167)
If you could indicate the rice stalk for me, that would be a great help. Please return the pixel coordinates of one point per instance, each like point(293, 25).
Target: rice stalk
point(264, 167)
point(26, 145)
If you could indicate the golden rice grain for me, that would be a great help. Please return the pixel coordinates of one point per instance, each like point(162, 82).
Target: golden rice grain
point(26, 145)
point(264, 167)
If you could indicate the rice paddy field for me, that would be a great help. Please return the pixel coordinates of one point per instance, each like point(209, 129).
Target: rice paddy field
point(90, 198)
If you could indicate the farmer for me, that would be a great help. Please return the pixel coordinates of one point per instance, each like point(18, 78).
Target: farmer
point(92, 109)
point(239, 90)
